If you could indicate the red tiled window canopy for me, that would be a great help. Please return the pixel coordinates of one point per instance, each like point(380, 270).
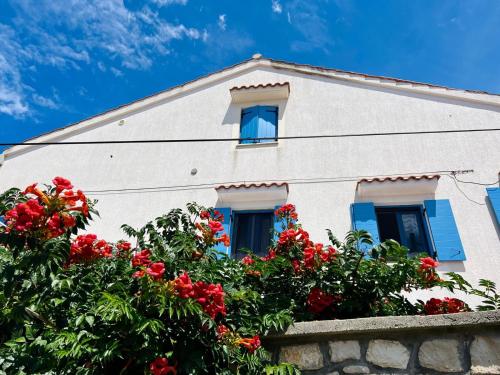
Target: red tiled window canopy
point(247, 192)
point(259, 92)
point(397, 185)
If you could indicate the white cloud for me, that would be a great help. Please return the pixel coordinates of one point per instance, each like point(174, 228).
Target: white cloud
point(12, 101)
point(42, 101)
point(276, 6)
point(222, 22)
point(73, 34)
point(116, 72)
point(170, 2)
point(309, 19)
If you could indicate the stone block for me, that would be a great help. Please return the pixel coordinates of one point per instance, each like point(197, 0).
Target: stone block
point(307, 357)
point(342, 350)
point(485, 355)
point(440, 355)
point(388, 353)
point(356, 370)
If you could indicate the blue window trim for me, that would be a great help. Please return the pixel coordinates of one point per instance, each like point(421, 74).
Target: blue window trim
point(425, 224)
point(233, 229)
point(258, 107)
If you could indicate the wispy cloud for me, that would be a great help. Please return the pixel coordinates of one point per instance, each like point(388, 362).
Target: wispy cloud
point(222, 22)
point(170, 2)
point(43, 101)
point(308, 18)
point(276, 6)
point(71, 34)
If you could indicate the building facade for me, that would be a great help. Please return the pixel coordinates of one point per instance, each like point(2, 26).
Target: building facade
point(394, 161)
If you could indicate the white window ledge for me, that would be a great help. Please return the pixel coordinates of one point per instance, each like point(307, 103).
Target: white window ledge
point(256, 145)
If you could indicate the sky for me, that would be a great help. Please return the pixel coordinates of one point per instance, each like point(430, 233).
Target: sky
point(62, 61)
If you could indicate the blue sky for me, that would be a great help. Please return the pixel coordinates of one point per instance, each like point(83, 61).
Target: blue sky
point(64, 60)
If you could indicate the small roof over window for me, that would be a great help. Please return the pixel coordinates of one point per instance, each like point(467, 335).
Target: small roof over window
point(260, 92)
point(253, 192)
point(397, 185)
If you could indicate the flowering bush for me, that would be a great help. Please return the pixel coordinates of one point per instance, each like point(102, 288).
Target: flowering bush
point(169, 303)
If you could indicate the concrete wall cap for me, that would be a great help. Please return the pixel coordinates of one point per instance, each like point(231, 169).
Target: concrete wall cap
point(388, 324)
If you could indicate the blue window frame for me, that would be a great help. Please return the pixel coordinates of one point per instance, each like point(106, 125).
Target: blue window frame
point(259, 122)
point(406, 225)
point(252, 230)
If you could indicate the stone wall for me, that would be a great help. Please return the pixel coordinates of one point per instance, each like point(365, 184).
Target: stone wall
point(467, 343)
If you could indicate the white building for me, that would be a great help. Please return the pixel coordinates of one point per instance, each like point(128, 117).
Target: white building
point(396, 185)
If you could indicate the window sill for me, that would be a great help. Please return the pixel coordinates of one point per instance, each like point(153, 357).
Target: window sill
point(256, 145)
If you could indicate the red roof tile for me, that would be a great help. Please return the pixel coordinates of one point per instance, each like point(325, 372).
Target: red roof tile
point(398, 178)
point(261, 86)
point(253, 185)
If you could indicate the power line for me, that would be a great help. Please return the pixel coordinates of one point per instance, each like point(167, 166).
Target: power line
point(290, 181)
point(477, 183)
point(188, 140)
point(452, 176)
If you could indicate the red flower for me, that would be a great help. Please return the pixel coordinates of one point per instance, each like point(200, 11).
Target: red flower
point(215, 226)
point(296, 266)
point(86, 248)
point(160, 366)
point(222, 331)
point(156, 270)
point(247, 260)
point(224, 239)
point(328, 255)
point(141, 258)
point(210, 297)
point(139, 274)
point(25, 217)
point(436, 306)
point(309, 254)
point(204, 215)
point(291, 237)
point(318, 301)
point(270, 255)
point(428, 263)
point(183, 286)
point(251, 344)
point(123, 246)
point(287, 210)
point(62, 184)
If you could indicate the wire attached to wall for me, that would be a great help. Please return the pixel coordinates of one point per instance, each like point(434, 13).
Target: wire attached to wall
point(194, 140)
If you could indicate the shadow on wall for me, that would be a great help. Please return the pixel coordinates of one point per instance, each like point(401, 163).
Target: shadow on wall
point(496, 224)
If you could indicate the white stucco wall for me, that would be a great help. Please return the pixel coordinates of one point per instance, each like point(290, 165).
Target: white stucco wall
point(316, 105)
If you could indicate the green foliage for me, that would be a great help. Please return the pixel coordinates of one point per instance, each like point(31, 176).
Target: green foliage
point(94, 317)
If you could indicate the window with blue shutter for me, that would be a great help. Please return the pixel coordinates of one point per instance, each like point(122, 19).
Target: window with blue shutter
point(259, 122)
point(443, 227)
point(494, 197)
point(364, 218)
point(226, 211)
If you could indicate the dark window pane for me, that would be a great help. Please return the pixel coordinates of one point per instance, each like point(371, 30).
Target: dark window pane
point(403, 224)
point(388, 225)
point(253, 232)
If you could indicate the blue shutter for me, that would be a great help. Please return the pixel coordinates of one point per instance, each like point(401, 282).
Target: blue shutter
point(226, 211)
point(444, 230)
point(494, 197)
point(364, 218)
point(249, 124)
point(268, 123)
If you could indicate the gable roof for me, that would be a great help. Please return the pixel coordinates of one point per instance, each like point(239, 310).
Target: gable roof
point(257, 60)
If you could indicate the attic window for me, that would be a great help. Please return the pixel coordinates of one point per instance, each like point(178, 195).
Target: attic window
point(261, 92)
